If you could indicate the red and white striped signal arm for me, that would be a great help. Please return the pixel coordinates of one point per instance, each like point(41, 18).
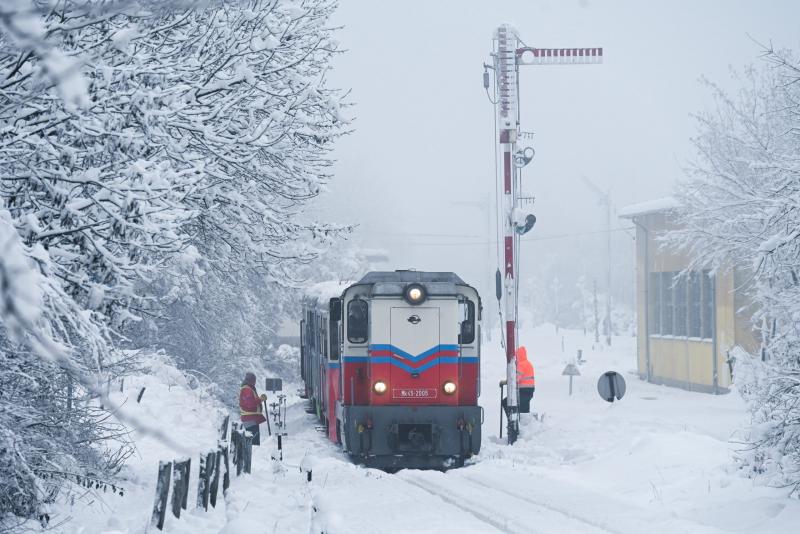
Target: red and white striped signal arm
point(558, 56)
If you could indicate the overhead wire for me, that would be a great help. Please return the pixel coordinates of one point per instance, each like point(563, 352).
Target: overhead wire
point(497, 241)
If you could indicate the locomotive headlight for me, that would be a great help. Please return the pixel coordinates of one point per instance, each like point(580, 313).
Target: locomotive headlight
point(379, 387)
point(415, 294)
point(449, 387)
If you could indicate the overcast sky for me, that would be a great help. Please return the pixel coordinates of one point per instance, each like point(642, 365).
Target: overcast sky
point(423, 144)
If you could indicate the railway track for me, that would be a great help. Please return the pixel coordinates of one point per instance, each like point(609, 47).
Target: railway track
point(502, 510)
point(598, 526)
point(602, 511)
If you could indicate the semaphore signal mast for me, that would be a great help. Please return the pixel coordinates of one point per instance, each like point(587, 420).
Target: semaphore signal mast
point(508, 55)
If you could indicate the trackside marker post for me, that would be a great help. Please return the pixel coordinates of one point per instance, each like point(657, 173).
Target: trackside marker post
point(571, 370)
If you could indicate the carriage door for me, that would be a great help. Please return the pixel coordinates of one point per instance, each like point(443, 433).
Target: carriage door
point(415, 346)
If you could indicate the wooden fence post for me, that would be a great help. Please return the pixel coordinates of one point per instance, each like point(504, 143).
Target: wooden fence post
point(207, 466)
point(237, 439)
point(223, 429)
point(215, 479)
point(234, 434)
point(247, 445)
point(162, 490)
point(180, 486)
point(226, 479)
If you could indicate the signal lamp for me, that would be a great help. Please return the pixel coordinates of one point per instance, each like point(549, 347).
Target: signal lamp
point(449, 387)
point(415, 294)
point(379, 387)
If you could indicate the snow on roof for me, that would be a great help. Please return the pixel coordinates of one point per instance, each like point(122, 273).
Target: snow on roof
point(324, 291)
point(407, 276)
point(649, 206)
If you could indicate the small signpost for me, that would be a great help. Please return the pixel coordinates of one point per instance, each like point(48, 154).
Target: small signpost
point(277, 410)
point(273, 384)
point(611, 386)
point(571, 370)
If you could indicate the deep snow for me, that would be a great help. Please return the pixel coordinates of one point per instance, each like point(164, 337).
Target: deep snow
point(659, 460)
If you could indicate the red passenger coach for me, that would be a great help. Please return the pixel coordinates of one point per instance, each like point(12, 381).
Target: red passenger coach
point(392, 368)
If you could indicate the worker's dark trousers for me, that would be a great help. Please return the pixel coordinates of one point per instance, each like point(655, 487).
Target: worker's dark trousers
point(253, 429)
point(525, 396)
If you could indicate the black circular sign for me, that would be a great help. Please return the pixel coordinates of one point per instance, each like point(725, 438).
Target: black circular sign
point(611, 386)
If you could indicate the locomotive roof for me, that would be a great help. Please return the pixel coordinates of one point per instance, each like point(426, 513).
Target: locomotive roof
point(408, 277)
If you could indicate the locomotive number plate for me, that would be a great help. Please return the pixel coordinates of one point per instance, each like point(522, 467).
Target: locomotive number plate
point(414, 393)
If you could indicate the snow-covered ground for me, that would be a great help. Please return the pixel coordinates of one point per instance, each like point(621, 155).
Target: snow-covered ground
point(188, 416)
point(659, 460)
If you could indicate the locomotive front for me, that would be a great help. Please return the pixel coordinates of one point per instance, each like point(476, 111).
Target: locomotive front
point(409, 369)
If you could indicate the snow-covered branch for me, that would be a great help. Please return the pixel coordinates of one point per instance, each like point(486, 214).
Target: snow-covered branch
point(742, 208)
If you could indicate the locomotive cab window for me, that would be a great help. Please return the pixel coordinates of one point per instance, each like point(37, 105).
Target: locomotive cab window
point(467, 331)
point(357, 321)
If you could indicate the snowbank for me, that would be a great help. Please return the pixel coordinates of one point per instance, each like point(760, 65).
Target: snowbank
point(172, 403)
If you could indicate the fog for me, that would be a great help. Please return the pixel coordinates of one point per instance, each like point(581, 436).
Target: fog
point(418, 172)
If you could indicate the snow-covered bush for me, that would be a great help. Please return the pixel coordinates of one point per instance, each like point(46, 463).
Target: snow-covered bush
point(52, 430)
point(742, 207)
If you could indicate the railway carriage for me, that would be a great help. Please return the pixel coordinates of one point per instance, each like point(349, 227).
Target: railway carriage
point(392, 368)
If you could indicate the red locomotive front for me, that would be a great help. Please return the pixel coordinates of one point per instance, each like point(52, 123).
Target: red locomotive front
point(404, 354)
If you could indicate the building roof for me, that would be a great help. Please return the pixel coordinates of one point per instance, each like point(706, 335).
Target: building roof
point(649, 206)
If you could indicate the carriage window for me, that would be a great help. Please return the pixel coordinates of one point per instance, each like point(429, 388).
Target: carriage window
point(333, 332)
point(467, 333)
point(357, 322)
point(303, 349)
point(323, 336)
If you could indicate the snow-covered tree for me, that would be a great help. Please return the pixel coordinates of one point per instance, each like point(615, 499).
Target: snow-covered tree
point(742, 208)
point(259, 131)
point(138, 139)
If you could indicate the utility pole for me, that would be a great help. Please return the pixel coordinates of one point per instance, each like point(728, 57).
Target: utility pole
point(488, 279)
point(596, 317)
point(605, 200)
point(508, 55)
point(556, 287)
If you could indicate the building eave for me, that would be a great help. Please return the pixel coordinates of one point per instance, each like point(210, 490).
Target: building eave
point(648, 207)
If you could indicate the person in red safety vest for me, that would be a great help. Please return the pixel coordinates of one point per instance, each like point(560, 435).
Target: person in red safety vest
point(526, 381)
point(250, 407)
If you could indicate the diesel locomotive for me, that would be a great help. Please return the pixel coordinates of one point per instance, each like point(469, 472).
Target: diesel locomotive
point(391, 367)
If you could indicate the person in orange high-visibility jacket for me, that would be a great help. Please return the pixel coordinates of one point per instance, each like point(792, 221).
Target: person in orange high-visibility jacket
point(526, 381)
point(250, 407)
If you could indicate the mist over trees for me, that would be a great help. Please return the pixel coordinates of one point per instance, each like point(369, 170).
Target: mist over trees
point(564, 294)
point(742, 207)
point(155, 163)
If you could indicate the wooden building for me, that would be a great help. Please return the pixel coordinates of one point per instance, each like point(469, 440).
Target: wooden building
point(687, 321)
